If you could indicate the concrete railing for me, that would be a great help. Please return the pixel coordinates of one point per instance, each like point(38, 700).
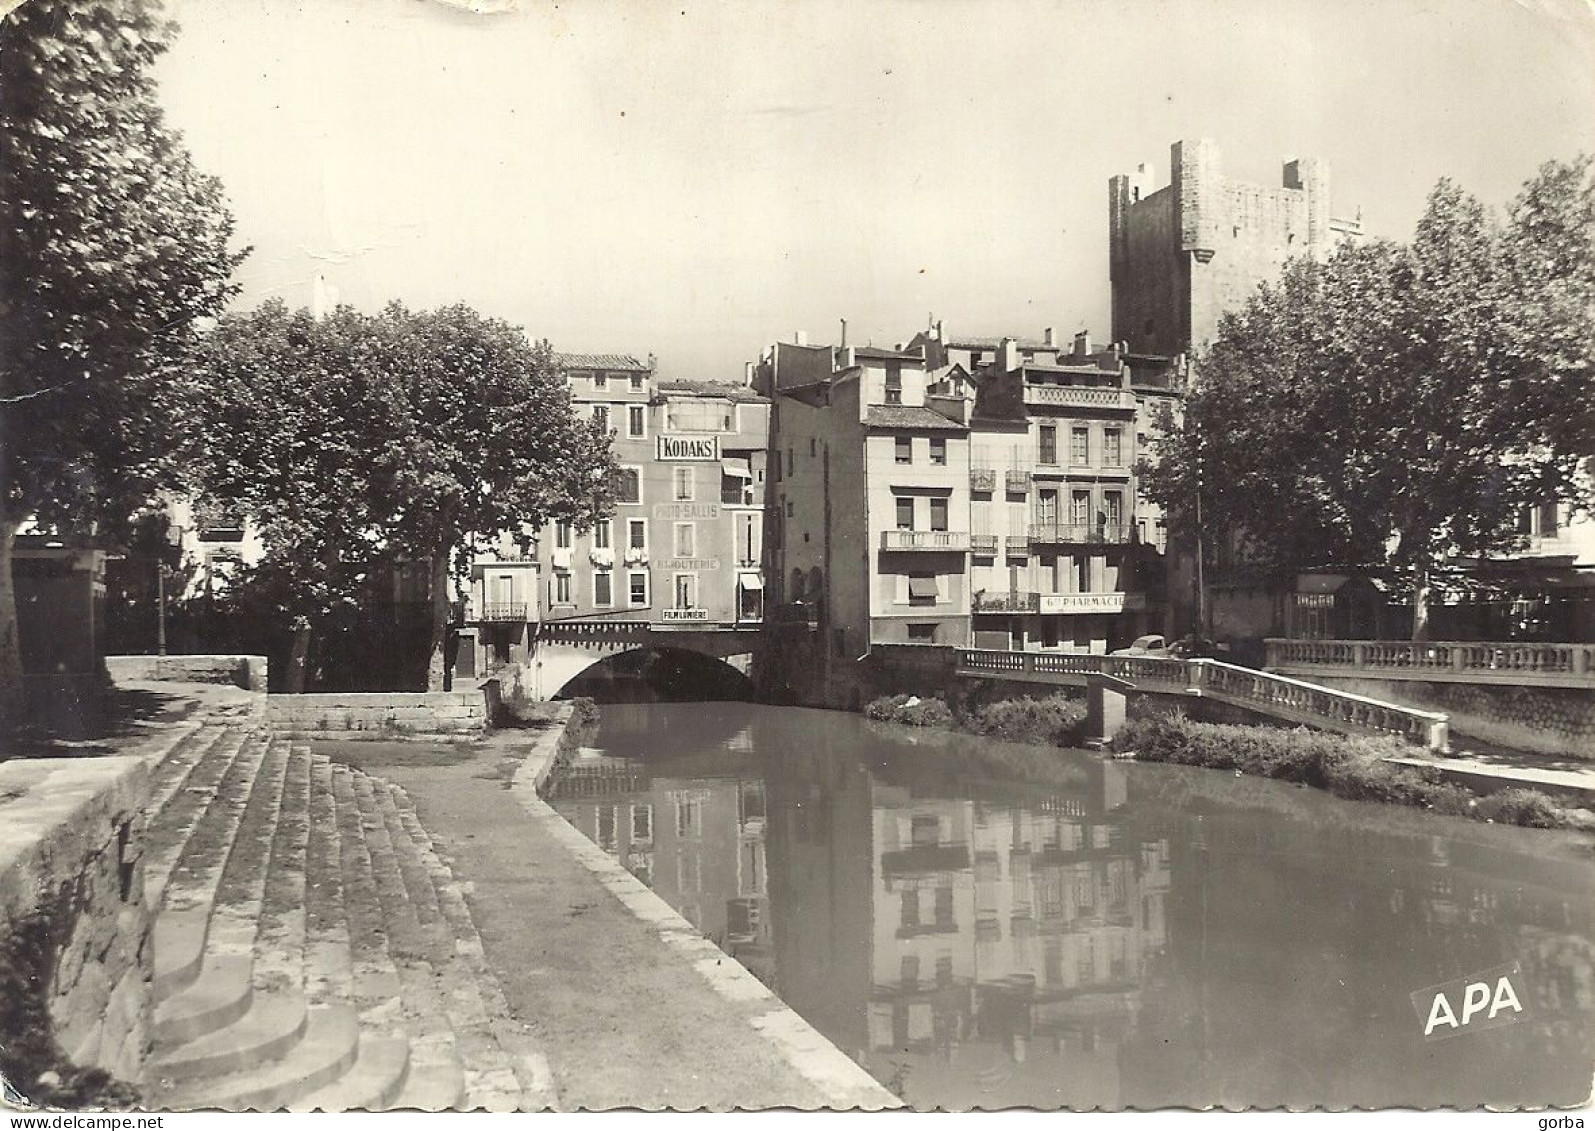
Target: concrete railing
point(1282, 696)
point(1522, 663)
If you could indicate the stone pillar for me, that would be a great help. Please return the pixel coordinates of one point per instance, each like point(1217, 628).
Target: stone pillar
point(1104, 707)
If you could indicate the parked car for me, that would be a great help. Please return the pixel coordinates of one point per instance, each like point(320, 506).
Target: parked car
point(1188, 647)
point(1152, 645)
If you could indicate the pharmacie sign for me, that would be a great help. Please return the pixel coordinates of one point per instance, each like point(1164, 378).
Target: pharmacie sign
point(1091, 602)
point(701, 449)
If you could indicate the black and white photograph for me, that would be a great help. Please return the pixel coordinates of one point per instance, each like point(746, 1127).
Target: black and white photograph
point(868, 556)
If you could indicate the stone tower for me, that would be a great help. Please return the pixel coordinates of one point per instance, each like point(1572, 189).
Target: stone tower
point(1183, 254)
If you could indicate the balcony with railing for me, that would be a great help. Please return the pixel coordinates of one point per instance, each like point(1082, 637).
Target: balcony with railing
point(1003, 601)
point(503, 612)
point(982, 479)
point(1017, 480)
point(944, 540)
point(985, 544)
point(1077, 533)
point(1079, 396)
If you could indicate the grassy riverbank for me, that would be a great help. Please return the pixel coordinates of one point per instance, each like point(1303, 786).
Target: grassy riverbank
point(1348, 767)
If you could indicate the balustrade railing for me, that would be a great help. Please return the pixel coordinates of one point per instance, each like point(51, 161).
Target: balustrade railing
point(1006, 602)
point(1488, 661)
point(983, 543)
point(982, 479)
point(1273, 694)
point(1079, 532)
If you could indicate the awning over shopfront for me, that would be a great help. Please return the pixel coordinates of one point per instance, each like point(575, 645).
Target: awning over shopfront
point(736, 468)
point(750, 581)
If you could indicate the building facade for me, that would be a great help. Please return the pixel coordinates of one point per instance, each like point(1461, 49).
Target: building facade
point(869, 497)
point(966, 491)
point(683, 548)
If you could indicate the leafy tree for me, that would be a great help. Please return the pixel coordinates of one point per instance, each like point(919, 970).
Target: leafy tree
point(112, 244)
point(1398, 406)
point(360, 442)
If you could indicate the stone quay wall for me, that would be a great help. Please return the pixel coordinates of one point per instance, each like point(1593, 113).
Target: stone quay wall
point(390, 714)
point(72, 899)
point(247, 672)
point(1541, 720)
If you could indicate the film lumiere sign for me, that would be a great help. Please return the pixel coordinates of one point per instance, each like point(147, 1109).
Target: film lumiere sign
point(698, 449)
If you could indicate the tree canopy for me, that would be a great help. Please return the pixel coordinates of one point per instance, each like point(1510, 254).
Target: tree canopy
point(1399, 405)
point(360, 442)
point(112, 246)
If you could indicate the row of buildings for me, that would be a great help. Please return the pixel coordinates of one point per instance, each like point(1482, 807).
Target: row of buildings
point(954, 489)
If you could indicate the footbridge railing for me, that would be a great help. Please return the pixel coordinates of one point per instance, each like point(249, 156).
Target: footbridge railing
point(1515, 662)
point(1281, 696)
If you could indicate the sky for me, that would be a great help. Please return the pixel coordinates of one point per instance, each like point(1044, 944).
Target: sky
point(699, 180)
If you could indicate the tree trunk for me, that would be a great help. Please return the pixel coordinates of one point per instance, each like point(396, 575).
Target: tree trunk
point(1420, 601)
point(437, 673)
point(295, 682)
point(13, 705)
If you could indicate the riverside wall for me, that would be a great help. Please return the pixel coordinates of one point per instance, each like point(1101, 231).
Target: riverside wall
point(1541, 720)
point(72, 901)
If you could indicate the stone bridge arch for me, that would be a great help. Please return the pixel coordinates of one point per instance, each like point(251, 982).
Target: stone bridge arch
point(566, 652)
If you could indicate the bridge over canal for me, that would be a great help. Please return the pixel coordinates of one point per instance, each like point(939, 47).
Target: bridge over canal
point(1278, 696)
point(567, 648)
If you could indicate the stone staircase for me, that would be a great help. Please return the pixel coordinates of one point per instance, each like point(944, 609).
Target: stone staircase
point(311, 949)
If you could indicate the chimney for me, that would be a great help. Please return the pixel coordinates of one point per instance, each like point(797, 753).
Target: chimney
point(801, 338)
point(1010, 355)
point(1082, 344)
point(653, 364)
point(940, 334)
point(844, 333)
point(747, 373)
point(1046, 336)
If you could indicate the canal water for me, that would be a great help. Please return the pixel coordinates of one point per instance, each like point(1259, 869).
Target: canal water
point(985, 925)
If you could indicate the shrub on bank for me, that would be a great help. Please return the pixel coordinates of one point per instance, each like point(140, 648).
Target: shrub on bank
point(910, 710)
point(1353, 768)
point(1057, 720)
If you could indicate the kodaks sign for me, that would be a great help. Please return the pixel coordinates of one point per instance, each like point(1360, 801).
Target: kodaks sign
point(701, 449)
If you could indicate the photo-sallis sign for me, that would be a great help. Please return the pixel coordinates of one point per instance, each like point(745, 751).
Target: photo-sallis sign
point(1480, 1001)
point(699, 449)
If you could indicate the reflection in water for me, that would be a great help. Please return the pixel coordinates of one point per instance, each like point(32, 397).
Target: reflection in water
point(1063, 931)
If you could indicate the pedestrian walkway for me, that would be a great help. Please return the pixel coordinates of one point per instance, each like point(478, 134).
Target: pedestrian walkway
point(1490, 767)
point(631, 1006)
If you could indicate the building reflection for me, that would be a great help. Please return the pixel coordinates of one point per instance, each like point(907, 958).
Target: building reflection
point(697, 841)
point(1103, 937)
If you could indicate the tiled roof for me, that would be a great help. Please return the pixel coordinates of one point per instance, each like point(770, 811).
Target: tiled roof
point(965, 342)
point(875, 353)
point(598, 361)
point(909, 416)
point(740, 393)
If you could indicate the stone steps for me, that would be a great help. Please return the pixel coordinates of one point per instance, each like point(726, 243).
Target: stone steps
point(312, 950)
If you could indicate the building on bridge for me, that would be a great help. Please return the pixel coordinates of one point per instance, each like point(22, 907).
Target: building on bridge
point(1067, 555)
point(683, 550)
point(869, 527)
